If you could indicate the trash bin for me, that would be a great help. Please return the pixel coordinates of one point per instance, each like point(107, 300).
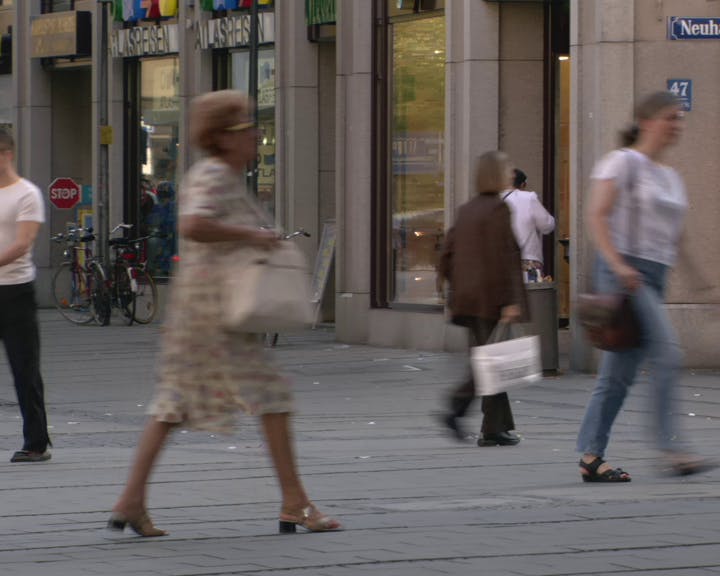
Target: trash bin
point(542, 301)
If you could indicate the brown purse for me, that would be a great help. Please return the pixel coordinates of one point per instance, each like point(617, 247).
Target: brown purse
point(609, 319)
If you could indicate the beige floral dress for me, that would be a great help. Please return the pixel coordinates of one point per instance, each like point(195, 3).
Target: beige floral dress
point(206, 374)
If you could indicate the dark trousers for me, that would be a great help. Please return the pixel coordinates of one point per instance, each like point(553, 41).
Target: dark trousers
point(20, 334)
point(497, 414)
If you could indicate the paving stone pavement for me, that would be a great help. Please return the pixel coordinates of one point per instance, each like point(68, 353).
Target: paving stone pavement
point(413, 501)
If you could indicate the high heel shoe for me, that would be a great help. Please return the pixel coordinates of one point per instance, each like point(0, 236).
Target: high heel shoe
point(309, 518)
point(141, 524)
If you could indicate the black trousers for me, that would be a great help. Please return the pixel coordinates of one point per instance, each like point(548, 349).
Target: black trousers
point(21, 337)
point(497, 414)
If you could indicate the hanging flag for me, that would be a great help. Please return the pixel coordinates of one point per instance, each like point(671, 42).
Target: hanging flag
point(150, 9)
point(127, 10)
point(168, 8)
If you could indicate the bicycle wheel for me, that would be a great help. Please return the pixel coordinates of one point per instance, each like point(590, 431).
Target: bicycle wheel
point(72, 294)
point(146, 296)
point(123, 294)
point(101, 300)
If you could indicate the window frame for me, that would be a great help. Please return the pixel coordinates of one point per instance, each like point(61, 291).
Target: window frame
point(382, 271)
point(49, 6)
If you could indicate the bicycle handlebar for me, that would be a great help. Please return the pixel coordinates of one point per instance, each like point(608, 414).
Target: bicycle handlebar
point(298, 232)
point(71, 235)
point(121, 226)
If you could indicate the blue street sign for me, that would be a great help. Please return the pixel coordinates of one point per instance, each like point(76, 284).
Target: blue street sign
point(682, 88)
point(680, 28)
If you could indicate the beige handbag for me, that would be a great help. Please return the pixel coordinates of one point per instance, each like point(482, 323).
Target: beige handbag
point(267, 291)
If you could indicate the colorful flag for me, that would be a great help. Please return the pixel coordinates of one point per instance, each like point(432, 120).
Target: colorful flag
point(168, 8)
point(150, 9)
point(219, 4)
point(127, 10)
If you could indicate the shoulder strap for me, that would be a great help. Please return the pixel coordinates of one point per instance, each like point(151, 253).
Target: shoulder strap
point(632, 226)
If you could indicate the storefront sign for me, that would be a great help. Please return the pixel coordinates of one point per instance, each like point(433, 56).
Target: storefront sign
point(320, 12)
point(680, 28)
point(682, 88)
point(144, 41)
point(234, 31)
point(62, 34)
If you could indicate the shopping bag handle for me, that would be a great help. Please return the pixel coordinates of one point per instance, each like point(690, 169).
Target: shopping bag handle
point(501, 332)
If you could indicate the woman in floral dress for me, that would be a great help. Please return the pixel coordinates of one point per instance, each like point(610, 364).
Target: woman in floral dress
point(208, 375)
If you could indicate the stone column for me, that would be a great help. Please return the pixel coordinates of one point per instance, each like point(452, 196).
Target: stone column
point(297, 142)
point(196, 67)
point(472, 90)
point(602, 35)
point(353, 177)
point(33, 126)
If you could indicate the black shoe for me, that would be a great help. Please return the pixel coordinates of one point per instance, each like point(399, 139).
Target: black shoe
point(451, 423)
point(499, 439)
point(27, 456)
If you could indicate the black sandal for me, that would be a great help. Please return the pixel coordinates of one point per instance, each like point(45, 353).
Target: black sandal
point(690, 467)
point(589, 472)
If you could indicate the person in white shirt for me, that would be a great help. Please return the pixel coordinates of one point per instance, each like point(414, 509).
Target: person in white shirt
point(530, 221)
point(22, 212)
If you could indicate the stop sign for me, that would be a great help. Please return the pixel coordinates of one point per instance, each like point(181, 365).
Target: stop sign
point(64, 193)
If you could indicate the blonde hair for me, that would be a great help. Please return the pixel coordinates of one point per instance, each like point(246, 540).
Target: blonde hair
point(491, 172)
point(213, 112)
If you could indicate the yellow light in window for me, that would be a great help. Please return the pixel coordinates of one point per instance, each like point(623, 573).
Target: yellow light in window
point(563, 58)
point(419, 233)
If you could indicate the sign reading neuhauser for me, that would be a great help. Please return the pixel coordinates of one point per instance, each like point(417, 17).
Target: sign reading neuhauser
point(680, 28)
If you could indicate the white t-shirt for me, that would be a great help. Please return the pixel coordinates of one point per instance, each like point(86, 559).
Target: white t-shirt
point(19, 202)
point(659, 209)
point(530, 221)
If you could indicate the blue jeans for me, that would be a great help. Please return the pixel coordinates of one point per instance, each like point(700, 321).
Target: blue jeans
point(659, 347)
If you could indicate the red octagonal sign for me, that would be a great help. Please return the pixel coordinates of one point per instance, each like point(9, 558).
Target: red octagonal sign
point(64, 193)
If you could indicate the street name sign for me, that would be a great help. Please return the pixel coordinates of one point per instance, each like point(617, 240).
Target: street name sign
point(682, 28)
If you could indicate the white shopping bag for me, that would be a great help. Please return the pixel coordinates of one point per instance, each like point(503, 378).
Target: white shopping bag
point(502, 366)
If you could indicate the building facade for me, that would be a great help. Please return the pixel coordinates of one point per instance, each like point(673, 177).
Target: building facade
point(372, 113)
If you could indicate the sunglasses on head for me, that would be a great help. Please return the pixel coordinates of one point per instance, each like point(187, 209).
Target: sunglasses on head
point(241, 126)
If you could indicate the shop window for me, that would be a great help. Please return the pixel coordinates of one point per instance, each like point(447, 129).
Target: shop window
point(264, 176)
point(49, 6)
point(158, 151)
point(411, 173)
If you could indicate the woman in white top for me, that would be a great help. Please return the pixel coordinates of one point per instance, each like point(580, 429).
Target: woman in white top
point(636, 214)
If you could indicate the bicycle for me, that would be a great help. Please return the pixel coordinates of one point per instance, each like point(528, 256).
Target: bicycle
point(78, 285)
point(120, 281)
point(132, 288)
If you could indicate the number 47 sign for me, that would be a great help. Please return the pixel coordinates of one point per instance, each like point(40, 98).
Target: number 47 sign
point(682, 88)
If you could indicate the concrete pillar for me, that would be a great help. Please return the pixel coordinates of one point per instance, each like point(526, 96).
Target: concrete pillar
point(522, 88)
point(297, 140)
point(33, 116)
point(472, 90)
point(354, 168)
point(602, 35)
point(196, 70)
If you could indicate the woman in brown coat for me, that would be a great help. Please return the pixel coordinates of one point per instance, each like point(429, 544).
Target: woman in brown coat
point(481, 262)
